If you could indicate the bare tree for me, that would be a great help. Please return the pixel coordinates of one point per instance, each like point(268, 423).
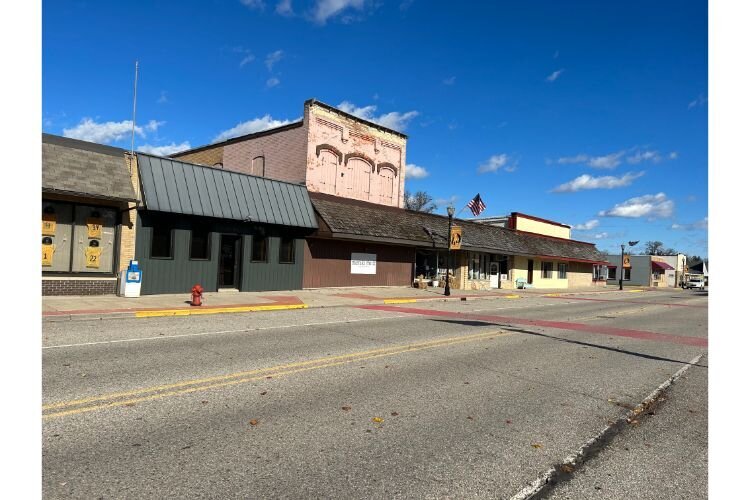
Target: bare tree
point(658, 248)
point(419, 202)
point(653, 248)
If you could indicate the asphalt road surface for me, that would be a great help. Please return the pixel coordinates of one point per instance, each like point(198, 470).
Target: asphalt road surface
point(475, 399)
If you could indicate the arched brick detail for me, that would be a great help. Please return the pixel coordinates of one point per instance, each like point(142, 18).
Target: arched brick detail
point(330, 148)
point(385, 164)
point(361, 157)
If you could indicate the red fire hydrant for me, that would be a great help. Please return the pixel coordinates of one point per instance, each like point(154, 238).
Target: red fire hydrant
point(197, 295)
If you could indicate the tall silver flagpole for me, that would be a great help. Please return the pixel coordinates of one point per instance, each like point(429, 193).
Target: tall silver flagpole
point(135, 96)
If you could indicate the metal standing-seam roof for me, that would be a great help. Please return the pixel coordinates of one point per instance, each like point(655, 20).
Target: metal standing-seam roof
point(184, 188)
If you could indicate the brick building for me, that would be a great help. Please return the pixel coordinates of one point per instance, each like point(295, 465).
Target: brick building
point(88, 216)
point(329, 151)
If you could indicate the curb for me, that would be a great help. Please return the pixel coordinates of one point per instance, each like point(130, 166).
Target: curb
point(563, 471)
point(169, 312)
point(145, 313)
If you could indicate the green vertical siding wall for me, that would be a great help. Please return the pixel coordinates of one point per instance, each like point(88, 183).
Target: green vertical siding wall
point(271, 275)
point(179, 274)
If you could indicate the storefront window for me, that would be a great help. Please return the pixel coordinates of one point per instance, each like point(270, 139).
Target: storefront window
point(626, 274)
point(612, 273)
point(286, 251)
point(547, 270)
point(260, 247)
point(562, 271)
point(77, 238)
point(200, 244)
point(161, 242)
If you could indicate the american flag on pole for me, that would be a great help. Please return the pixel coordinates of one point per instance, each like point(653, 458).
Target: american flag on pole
point(476, 205)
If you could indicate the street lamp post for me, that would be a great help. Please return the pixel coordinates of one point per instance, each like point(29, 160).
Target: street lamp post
point(622, 259)
point(451, 211)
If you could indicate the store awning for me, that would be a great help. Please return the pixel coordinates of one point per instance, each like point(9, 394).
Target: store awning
point(184, 188)
point(656, 265)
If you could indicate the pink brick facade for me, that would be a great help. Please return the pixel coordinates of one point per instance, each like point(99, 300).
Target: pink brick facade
point(330, 152)
point(352, 159)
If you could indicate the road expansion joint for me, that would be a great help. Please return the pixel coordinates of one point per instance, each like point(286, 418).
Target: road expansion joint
point(543, 486)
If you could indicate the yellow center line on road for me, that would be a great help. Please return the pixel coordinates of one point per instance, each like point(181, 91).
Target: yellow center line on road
point(101, 402)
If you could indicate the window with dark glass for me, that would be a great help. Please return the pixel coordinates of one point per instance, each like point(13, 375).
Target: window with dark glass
point(260, 249)
point(562, 271)
point(612, 273)
point(286, 251)
point(161, 242)
point(627, 274)
point(200, 244)
point(546, 269)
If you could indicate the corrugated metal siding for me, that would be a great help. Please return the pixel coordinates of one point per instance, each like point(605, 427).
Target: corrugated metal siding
point(179, 274)
point(328, 263)
point(271, 275)
point(183, 188)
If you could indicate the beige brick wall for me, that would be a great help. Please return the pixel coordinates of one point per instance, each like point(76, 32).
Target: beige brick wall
point(284, 154)
point(580, 275)
point(127, 228)
point(208, 157)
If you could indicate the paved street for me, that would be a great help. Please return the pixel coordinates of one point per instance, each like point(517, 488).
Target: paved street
point(419, 400)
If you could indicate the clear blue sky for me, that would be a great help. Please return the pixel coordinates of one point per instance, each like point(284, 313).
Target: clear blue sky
point(590, 113)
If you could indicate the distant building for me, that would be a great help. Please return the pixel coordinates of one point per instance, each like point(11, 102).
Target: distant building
point(646, 270)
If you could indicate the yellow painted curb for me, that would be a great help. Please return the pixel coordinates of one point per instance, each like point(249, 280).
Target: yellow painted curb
point(398, 301)
point(511, 296)
point(634, 291)
point(552, 294)
point(217, 310)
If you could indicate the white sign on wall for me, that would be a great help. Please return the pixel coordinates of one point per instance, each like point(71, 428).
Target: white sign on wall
point(364, 263)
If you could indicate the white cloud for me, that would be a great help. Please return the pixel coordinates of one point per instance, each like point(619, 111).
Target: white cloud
point(495, 163)
point(393, 120)
point(415, 172)
point(272, 82)
point(699, 101)
point(586, 181)
point(254, 4)
point(247, 59)
point(284, 8)
point(601, 236)
point(326, 9)
point(587, 226)
point(555, 75)
point(644, 156)
point(449, 81)
point(607, 161)
point(649, 205)
point(250, 127)
point(162, 97)
point(107, 132)
point(673, 155)
point(164, 150)
point(273, 58)
point(441, 202)
point(697, 225)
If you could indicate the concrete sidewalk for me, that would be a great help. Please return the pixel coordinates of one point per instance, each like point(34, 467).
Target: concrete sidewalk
point(57, 308)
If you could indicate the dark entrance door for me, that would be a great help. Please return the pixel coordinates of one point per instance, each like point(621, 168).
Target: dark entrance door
point(229, 261)
point(530, 276)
